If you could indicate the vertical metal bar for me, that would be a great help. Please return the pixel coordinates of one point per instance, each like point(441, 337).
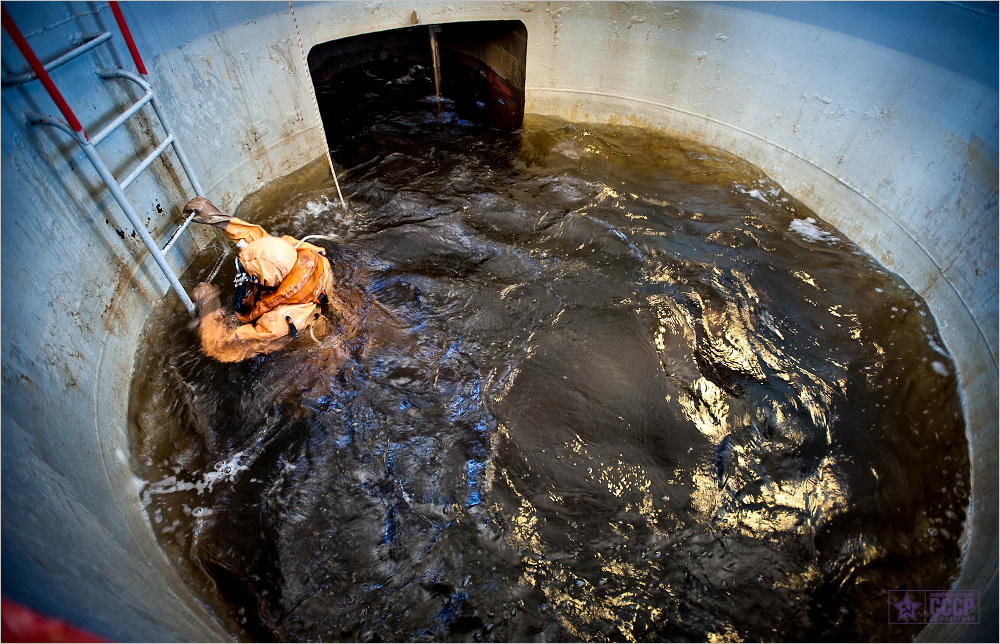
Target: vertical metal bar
point(185, 164)
point(36, 66)
point(123, 26)
point(435, 60)
point(137, 224)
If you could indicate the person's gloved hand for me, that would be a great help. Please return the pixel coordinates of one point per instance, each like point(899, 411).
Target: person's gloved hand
point(206, 298)
point(207, 213)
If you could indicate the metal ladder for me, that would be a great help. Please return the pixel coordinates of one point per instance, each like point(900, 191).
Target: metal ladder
point(89, 143)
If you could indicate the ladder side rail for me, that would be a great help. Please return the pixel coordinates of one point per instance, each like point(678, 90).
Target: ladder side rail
point(89, 43)
point(192, 179)
point(37, 118)
point(178, 150)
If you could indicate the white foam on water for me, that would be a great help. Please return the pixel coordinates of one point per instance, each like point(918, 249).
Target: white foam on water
point(318, 207)
point(140, 485)
point(940, 369)
point(198, 511)
point(759, 193)
point(755, 193)
point(934, 345)
point(808, 229)
point(223, 471)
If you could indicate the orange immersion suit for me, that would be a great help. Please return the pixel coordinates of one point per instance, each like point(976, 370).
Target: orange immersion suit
point(288, 280)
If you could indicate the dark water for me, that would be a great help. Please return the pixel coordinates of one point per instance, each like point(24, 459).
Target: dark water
point(634, 392)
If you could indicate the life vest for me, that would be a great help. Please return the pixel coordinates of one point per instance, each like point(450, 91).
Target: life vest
point(309, 279)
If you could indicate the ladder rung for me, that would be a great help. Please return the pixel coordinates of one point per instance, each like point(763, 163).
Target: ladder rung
point(177, 233)
point(218, 265)
point(61, 60)
point(145, 162)
point(121, 118)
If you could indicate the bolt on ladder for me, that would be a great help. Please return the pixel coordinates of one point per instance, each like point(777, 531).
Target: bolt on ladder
point(89, 144)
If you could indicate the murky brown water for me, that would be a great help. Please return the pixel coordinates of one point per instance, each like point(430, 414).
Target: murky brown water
point(640, 394)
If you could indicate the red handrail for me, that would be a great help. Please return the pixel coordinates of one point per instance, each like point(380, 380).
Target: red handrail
point(120, 19)
point(36, 66)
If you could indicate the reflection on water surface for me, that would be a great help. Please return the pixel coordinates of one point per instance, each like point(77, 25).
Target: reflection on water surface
point(638, 393)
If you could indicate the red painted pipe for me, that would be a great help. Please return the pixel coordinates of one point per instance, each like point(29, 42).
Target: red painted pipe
point(123, 27)
point(36, 66)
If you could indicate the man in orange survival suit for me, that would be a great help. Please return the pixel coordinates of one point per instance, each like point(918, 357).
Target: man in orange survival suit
point(283, 282)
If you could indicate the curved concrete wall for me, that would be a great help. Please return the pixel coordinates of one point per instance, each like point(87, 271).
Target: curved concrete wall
point(888, 131)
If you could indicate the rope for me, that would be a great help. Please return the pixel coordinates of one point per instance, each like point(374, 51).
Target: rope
point(319, 119)
point(333, 238)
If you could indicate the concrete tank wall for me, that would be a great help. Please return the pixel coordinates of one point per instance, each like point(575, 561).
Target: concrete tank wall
point(890, 138)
